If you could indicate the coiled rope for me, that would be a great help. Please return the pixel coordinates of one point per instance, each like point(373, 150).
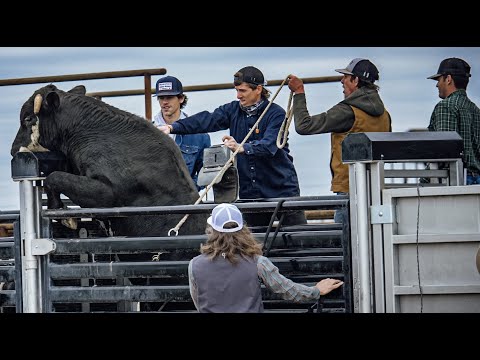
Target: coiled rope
point(282, 136)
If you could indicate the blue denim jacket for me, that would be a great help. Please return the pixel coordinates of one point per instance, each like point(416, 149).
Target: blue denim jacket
point(191, 146)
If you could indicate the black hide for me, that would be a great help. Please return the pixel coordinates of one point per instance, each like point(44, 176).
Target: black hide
point(115, 159)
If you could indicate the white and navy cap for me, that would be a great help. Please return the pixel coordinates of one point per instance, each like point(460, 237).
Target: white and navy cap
point(168, 86)
point(223, 214)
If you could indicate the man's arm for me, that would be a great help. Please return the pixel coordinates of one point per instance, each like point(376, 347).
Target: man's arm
point(339, 118)
point(283, 286)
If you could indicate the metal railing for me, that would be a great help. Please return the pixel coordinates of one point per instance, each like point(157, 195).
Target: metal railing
point(146, 73)
point(147, 91)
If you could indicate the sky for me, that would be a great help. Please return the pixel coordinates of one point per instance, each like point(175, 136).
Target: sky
point(404, 88)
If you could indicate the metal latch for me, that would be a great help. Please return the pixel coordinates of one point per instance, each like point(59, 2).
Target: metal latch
point(381, 214)
point(214, 159)
point(43, 246)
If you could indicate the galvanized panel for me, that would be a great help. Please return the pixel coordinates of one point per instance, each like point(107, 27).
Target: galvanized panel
point(441, 259)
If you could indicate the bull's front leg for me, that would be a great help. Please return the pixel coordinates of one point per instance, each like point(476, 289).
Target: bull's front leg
point(81, 190)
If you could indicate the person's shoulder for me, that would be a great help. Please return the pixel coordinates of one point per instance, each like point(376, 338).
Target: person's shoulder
point(262, 259)
point(195, 258)
point(275, 110)
point(443, 104)
point(234, 104)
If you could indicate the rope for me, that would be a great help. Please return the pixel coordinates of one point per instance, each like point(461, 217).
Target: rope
point(228, 163)
point(283, 132)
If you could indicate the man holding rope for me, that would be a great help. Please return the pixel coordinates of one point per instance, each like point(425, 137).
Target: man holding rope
point(264, 170)
point(361, 110)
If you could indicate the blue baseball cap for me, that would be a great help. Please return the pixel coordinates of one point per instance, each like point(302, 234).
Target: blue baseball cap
point(168, 86)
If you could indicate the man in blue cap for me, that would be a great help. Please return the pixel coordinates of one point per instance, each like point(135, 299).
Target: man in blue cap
point(169, 92)
point(456, 112)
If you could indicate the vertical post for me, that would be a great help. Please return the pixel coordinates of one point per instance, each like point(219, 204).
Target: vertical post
point(30, 303)
point(362, 235)
point(148, 96)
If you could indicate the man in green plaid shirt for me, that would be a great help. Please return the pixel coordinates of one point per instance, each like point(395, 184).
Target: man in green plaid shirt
point(456, 112)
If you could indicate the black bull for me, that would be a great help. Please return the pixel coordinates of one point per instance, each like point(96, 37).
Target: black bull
point(115, 159)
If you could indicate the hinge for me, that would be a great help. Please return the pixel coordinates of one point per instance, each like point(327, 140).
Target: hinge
point(43, 246)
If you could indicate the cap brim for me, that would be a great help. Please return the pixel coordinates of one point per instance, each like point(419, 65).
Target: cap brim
point(434, 77)
point(344, 71)
point(166, 93)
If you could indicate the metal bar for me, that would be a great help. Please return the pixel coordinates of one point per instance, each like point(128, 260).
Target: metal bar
point(31, 304)
point(107, 245)
point(362, 236)
point(377, 180)
point(73, 294)
point(312, 264)
point(9, 217)
point(190, 209)
point(86, 76)
point(18, 268)
point(224, 86)
point(148, 96)
point(400, 173)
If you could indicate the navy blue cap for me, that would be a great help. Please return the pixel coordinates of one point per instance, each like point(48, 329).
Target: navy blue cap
point(168, 86)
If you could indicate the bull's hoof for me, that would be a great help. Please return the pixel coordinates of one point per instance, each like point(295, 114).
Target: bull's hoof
point(70, 223)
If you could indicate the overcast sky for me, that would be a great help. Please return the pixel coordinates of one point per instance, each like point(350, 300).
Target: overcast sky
point(407, 94)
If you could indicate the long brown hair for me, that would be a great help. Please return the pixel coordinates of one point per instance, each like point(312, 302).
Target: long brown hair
point(233, 244)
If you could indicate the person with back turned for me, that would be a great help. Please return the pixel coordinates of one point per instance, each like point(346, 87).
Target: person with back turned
point(227, 275)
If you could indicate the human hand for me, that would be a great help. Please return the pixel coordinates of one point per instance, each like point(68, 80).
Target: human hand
point(232, 144)
point(295, 84)
point(166, 129)
point(327, 285)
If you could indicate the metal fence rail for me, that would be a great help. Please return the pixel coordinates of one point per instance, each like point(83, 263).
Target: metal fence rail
point(118, 274)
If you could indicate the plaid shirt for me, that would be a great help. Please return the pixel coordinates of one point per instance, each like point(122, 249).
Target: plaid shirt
point(458, 113)
point(279, 284)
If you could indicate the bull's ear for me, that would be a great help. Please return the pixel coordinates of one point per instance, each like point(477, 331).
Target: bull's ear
point(78, 90)
point(52, 101)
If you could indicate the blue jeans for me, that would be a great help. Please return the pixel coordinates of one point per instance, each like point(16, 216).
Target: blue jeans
point(473, 179)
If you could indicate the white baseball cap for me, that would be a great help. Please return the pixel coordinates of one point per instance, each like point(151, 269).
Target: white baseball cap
point(225, 213)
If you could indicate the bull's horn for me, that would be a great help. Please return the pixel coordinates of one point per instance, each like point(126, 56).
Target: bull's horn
point(37, 103)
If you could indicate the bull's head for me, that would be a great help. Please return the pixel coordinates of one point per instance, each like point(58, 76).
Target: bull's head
point(36, 113)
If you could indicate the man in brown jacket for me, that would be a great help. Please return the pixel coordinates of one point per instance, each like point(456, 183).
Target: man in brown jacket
point(362, 110)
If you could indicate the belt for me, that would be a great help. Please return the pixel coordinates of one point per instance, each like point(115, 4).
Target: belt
point(473, 173)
